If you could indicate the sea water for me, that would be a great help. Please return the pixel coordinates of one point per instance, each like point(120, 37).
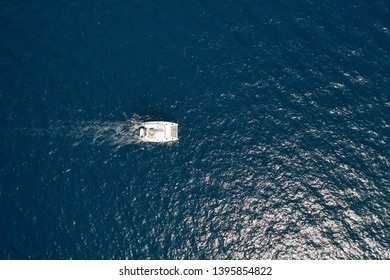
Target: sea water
point(283, 113)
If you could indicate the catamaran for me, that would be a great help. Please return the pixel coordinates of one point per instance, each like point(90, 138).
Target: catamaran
point(160, 132)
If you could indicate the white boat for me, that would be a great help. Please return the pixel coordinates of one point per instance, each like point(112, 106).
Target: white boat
point(159, 132)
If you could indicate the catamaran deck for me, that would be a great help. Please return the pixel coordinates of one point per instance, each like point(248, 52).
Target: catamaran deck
point(159, 132)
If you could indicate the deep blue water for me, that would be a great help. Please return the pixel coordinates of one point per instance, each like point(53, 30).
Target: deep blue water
point(283, 111)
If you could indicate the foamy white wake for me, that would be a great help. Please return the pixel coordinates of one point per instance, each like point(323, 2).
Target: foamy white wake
point(117, 134)
point(111, 133)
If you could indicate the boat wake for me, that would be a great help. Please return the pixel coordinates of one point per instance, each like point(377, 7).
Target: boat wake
point(115, 134)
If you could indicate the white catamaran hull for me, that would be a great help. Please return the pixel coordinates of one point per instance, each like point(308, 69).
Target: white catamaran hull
point(159, 132)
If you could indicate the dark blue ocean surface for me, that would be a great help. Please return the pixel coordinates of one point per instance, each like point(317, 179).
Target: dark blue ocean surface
point(284, 116)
